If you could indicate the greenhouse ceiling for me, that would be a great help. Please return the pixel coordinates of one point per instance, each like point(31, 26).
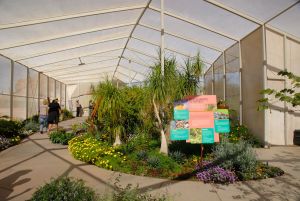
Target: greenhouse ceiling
point(87, 40)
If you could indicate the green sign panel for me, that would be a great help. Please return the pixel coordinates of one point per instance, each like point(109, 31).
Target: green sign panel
point(181, 114)
point(208, 136)
point(180, 134)
point(222, 125)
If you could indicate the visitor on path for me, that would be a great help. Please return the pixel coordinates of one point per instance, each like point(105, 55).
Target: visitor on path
point(53, 114)
point(78, 108)
point(91, 107)
point(43, 115)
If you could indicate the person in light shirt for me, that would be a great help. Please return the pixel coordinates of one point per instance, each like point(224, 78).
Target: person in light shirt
point(43, 115)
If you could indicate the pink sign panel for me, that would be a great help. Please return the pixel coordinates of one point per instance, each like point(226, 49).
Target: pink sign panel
point(201, 120)
point(202, 103)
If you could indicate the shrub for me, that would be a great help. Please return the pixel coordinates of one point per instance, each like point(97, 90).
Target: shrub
point(241, 132)
point(215, 174)
point(61, 137)
point(130, 193)
point(4, 143)
point(31, 126)
point(66, 114)
point(142, 155)
point(15, 140)
point(154, 162)
point(262, 171)
point(239, 157)
point(10, 128)
point(178, 157)
point(64, 189)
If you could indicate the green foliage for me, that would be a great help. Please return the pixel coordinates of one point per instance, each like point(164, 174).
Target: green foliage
point(4, 143)
point(32, 126)
point(66, 114)
point(130, 193)
point(61, 137)
point(142, 155)
point(289, 95)
point(178, 157)
point(34, 118)
point(10, 128)
point(154, 162)
point(241, 132)
point(239, 157)
point(262, 171)
point(64, 189)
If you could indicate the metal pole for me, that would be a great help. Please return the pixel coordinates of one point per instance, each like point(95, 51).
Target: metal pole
point(39, 93)
point(11, 89)
point(224, 75)
point(213, 79)
point(241, 90)
point(266, 115)
point(285, 85)
point(27, 92)
point(162, 39)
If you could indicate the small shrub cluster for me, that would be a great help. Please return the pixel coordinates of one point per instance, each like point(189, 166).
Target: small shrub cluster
point(61, 137)
point(178, 157)
point(88, 149)
point(9, 128)
point(241, 132)
point(64, 189)
point(130, 193)
point(239, 157)
point(4, 143)
point(215, 174)
point(66, 114)
point(31, 126)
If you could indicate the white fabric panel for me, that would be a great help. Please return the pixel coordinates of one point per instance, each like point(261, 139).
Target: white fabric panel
point(144, 47)
point(289, 21)
point(147, 34)
point(41, 31)
point(13, 11)
point(73, 53)
point(143, 59)
point(87, 72)
point(259, 9)
point(190, 48)
point(135, 67)
point(86, 67)
point(66, 43)
point(207, 14)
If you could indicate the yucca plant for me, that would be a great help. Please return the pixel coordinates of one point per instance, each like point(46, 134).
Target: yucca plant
point(110, 108)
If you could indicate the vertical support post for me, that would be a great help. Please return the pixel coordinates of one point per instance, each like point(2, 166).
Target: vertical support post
point(11, 89)
point(162, 36)
point(241, 89)
point(266, 115)
point(224, 75)
point(27, 92)
point(48, 83)
point(213, 79)
point(285, 85)
point(39, 93)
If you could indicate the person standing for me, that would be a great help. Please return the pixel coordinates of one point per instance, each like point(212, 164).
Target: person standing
point(78, 108)
point(43, 115)
point(53, 114)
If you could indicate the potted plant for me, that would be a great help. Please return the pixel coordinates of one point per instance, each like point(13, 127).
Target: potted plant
point(222, 104)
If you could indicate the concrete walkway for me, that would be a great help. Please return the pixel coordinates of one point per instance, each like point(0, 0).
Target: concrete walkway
point(30, 164)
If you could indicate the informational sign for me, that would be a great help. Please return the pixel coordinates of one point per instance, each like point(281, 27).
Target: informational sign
point(198, 121)
point(222, 124)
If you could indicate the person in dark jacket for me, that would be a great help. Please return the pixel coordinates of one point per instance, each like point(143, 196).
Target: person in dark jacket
point(53, 114)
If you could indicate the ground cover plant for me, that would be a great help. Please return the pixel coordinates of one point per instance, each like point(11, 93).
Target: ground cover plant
point(61, 136)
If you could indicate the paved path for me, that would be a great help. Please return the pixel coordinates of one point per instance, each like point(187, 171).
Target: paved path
point(30, 164)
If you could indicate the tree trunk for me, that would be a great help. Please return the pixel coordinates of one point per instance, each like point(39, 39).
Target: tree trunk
point(117, 140)
point(163, 145)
